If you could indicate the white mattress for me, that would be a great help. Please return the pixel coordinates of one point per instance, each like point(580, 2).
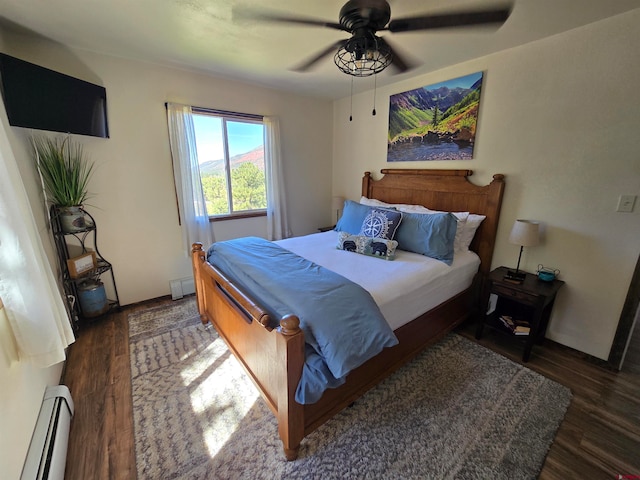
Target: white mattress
point(403, 288)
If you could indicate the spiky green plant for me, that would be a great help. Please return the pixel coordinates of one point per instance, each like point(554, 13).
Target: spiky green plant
point(65, 170)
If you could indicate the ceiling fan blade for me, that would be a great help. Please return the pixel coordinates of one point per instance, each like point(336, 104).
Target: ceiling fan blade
point(311, 61)
point(399, 61)
point(242, 13)
point(448, 20)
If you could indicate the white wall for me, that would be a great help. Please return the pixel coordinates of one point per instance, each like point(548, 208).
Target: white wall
point(134, 203)
point(21, 395)
point(558, 117)
point(22, 385)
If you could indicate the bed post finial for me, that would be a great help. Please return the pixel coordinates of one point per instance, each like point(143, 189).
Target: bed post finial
point(289, 325)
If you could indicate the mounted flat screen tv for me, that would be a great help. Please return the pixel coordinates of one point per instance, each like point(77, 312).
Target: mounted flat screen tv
point(39, 98)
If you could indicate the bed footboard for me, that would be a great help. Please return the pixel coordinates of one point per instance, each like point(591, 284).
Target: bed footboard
point(273, 358)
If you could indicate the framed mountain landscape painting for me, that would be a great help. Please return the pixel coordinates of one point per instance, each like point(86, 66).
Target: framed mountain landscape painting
point(436, 122)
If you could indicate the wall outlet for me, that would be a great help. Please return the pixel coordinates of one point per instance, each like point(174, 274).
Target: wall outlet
point(626, 203)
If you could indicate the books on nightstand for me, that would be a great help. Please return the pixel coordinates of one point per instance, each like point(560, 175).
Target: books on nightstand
point(517, 327)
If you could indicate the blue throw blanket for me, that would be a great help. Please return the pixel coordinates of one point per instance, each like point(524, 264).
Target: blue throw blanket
point(342, 325)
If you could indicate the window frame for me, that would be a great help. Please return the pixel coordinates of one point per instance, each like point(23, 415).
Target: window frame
point(225, 116)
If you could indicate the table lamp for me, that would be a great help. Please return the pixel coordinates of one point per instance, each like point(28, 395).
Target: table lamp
point(337, 204)
point(525, 233)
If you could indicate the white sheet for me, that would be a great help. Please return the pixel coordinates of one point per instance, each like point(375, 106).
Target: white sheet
point(403, 288)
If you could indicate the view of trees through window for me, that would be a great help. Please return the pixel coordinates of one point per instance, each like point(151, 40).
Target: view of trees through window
point(231, 158)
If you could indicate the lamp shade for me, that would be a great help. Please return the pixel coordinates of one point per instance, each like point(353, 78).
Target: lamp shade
point(525, 233)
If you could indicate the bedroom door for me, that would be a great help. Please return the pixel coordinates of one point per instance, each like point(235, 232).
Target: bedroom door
point(625, 351)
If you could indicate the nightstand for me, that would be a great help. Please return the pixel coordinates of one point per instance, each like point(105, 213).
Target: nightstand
point(528, 303)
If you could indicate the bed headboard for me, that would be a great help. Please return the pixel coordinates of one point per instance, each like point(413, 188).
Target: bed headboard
point(447, 190)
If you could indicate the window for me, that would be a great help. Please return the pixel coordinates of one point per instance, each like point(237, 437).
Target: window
point(231, 158)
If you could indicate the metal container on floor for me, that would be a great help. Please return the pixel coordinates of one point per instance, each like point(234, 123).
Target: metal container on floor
point(93, 298)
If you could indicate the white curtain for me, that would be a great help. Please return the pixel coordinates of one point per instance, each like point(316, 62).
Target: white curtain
point(191, 203)
point(277, 223)
point(33, 302)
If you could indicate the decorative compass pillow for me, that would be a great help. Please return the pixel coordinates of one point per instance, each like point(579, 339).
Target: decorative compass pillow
point(381, 223)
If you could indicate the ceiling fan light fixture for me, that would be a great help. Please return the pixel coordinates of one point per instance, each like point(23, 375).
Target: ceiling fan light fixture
point(363, 55)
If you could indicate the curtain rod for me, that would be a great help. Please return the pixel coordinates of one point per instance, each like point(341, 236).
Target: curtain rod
point(226, 113)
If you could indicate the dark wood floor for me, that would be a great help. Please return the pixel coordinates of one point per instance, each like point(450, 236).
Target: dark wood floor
point(598, 439)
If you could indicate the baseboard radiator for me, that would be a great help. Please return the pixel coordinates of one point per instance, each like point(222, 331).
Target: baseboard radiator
point(47, 452)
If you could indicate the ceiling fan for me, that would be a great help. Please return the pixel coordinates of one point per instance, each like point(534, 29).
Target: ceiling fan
point(365, 53)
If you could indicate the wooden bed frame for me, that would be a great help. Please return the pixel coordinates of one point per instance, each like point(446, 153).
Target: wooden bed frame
point(273, 358)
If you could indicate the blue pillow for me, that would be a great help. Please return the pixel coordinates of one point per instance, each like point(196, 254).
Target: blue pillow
point(431, 235)
point(381, 223)
point(353, 214)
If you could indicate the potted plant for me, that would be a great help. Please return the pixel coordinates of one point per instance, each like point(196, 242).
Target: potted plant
point(65, 175)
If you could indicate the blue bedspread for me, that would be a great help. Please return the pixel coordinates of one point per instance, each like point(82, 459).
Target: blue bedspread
point(342, 325)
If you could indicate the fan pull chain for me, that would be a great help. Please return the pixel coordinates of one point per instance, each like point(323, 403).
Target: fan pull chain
point(351, 105)
point(375, 86)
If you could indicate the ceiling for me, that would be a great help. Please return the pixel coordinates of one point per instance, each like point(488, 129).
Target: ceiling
point(201, 35)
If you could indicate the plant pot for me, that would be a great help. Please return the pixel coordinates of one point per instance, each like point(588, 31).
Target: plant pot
point(93, 298)
point(72, 219)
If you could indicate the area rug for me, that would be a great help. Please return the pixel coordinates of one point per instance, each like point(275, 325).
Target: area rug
point(458, 411)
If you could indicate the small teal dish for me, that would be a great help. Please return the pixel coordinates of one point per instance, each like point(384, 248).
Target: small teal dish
point(547, 274)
